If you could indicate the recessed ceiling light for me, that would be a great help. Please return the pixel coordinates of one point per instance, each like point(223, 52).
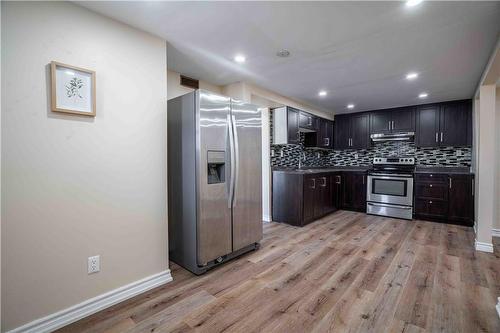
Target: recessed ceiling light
point(322, 93)
point(423, 95)
point(283, 53)
point(350, 106)
point(413, 3)
point(239, 58)
point(411, 76)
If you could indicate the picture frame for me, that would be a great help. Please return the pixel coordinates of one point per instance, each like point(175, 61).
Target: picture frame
point(72, 89)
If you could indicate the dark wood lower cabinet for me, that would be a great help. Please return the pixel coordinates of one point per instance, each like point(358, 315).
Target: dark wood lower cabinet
point(354, 191)
point(300, 198)
point(445, 197)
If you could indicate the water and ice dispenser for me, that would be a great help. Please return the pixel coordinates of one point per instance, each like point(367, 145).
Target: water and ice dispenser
point(216, 163)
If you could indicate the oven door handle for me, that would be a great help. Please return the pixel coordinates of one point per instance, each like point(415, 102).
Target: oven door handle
point(394, 177)
point(390, 174)
point(385, 205)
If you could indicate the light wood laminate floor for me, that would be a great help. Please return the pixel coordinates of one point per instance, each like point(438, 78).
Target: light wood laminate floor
point(348, 272)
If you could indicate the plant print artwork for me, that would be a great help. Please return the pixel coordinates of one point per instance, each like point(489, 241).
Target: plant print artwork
point(74, 89)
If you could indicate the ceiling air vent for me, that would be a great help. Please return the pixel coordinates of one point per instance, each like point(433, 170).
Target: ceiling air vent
point(189, 82)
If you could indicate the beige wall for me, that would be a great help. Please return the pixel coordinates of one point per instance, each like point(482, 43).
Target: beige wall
point(73, 187)
point(175, 89)
point(496, 223)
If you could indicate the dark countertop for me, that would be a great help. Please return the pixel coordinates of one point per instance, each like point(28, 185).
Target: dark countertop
point(442, 169)
point(321, 170)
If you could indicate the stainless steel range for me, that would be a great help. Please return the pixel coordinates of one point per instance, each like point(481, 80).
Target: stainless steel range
point(390, 187)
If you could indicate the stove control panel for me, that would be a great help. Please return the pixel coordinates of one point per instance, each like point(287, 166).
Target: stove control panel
point(394, 160)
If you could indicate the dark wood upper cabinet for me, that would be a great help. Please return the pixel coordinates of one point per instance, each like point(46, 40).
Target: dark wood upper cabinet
point(453, 124)
point(285, 126)
point(307, 121)
point(351, 131)
point(342, 132)
point(427, 121)
point(293, 126)
point(380, 122)
point(359, 131)
point(325, 133)
point(392, 120)
point(444, 124)
point(403, 119)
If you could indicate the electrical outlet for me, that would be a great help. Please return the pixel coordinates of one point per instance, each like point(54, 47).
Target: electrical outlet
point(94, 264)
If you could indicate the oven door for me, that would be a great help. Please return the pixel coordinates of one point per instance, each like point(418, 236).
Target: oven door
point(391, 189)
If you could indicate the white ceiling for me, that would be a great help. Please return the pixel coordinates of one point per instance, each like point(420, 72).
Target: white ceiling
point(359, 52)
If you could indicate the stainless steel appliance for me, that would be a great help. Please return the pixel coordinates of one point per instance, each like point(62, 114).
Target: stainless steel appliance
point(214, 179)
point(400, 136)
point(390, 187)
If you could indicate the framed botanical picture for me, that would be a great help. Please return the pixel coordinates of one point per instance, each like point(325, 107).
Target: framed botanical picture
point(73, 89)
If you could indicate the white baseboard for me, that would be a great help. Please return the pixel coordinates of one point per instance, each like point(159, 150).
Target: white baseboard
point(495, 232)
point(266, 218)
point(67, 316)
point(483, 247)
point(498, 306)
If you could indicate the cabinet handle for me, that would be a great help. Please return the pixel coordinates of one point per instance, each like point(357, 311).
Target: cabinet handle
point(327, 140)
point(441, 136)
point(449, 180)
point(436, 136)
point(339, 179)
point(389, 125)
point(393, 124)
point(314, 183)
point(324, 182)
point(473, 186)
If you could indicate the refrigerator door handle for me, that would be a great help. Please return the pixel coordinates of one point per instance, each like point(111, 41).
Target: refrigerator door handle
point(232, 162)
point(236, 158)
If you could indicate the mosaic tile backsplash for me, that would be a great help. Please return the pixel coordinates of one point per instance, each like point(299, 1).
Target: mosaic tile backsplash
point(289, 155)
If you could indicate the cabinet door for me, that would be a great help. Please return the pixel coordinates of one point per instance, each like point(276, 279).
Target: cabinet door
point(460, 204)
point(453, 124)
point(347, 190)
point(307, 120)
point(359, 131)
point(359, 191)
point(342, 127)
point(310, 185)
point(380, 122)
point(337, 190)
point(293, 126)
point(326, 184)
point(329, 134)
point(403, 120)
point(427, 124)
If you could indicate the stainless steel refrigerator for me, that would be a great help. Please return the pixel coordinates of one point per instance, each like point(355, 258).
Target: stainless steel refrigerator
point(214, 179)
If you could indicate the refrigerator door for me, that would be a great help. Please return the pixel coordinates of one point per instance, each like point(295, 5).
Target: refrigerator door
point(213, 177)
point(247, 202)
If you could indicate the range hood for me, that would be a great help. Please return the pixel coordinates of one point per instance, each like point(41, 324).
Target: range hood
point(401, 136)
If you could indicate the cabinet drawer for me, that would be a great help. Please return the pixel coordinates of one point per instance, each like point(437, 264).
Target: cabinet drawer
point(431, 177)
point(432, 208)
point(431, 190)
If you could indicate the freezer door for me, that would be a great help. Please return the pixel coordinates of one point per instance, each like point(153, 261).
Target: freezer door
point(247, 202)
point(213, 175)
